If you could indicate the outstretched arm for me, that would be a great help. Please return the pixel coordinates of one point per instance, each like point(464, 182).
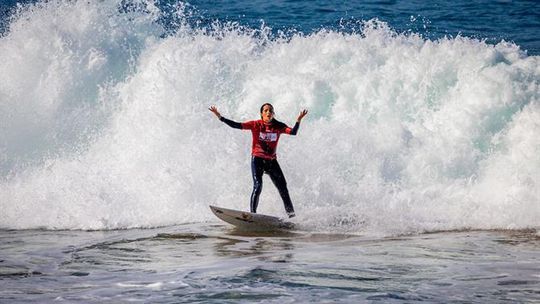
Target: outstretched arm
point(214, 110)
point(230, 123)
point(298, 120)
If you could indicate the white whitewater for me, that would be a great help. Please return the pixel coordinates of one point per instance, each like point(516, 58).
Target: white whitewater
point(105, 124)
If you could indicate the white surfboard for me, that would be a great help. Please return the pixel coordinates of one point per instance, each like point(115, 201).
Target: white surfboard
point(250, 221)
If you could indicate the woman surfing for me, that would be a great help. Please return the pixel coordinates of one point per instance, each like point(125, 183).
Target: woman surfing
point(265, 133)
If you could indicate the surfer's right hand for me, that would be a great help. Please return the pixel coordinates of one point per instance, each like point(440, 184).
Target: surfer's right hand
point(214, 110)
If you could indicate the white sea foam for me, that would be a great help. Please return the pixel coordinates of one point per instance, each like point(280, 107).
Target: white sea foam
point(105, 125)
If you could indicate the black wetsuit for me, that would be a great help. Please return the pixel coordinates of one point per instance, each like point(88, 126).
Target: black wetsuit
point(271, 167)
point(264, 160)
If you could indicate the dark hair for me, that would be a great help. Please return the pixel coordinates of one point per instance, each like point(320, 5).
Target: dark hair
point(273, 119)
point(267, 104)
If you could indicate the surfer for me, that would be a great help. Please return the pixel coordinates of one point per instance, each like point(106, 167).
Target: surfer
point(265, 133)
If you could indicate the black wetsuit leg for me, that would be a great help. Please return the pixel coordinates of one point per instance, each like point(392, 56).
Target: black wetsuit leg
point(278, 179)
point(257, 170)
point(259, 166)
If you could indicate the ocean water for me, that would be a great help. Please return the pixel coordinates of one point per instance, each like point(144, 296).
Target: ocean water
point(415, 175)
point(210, 263)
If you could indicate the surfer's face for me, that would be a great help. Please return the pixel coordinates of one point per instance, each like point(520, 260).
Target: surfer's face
point(267, 113)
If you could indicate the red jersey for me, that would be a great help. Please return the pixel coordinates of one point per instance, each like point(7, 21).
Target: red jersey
point(265, 137)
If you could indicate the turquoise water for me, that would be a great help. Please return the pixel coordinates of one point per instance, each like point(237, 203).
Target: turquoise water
point(414, 177)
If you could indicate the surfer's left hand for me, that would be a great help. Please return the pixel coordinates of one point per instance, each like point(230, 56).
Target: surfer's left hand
point(301, 115)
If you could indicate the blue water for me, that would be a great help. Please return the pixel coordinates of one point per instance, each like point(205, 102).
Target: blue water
point(516, 21)
point(414, 177)
point(214, 264)
point(493, 21)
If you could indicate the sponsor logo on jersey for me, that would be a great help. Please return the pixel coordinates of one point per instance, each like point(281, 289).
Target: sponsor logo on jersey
point(268, 136)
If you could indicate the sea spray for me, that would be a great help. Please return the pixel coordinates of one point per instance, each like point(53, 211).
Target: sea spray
point(59, 60)
point(107, 124)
